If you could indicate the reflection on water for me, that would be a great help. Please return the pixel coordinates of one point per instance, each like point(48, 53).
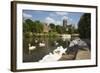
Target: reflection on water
point(39, 52)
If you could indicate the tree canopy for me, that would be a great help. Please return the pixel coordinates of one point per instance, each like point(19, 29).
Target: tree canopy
point(84, 26)
point(32, 26)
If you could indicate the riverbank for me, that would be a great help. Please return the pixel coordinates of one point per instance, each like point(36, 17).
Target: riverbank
point(81, 55)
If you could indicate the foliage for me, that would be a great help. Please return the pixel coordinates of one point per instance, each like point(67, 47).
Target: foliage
point(32, 26)
point(59, 29)
point(27, 25)
point(38, 27)
point(53, 27)
point(84, 26)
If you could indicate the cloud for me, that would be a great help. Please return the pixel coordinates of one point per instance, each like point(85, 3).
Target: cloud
point(69, 20)
point(64, 17)
point(25, 15)
point(49, 20)
point(62, 13)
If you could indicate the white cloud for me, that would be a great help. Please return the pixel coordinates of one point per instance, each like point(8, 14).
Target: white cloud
point(64, 17)
point(49, 20)
point(25, 15)
point(62, 13)
point(69, 20)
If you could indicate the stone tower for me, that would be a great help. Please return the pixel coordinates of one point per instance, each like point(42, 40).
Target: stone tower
point(65, 23)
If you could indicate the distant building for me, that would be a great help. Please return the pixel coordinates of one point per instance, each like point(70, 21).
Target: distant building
point(45, 28)
point(65, 23)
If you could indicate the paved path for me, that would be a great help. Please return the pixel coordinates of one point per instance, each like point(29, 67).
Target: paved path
point(83, 54)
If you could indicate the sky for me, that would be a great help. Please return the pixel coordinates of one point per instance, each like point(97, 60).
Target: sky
point(55, 17)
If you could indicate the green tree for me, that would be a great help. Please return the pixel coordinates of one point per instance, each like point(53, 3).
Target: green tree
point(70, 31)
point(74, 30)
point(27, 25)
point(38, 27)
point(53, 27)
point(84, 26)
point(59, 29)
point(32, 26)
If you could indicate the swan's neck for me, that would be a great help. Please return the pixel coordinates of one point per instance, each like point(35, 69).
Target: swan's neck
point(29, 45)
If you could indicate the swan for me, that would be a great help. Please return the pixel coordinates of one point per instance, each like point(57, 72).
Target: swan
point(55, 56)
point(56, 43)
point(61, 49)
point(36, 41)
point(72, 43)
point(78, 42)
point(31, 48)
point(41, 44)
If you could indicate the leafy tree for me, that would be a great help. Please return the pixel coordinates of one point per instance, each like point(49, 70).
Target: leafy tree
point(38, 27)
point(25, 27)
point(84, 26)
point(74, 30)
point(32, 26)
point(69, 31)
point(28, 25)
point(53, 27)
point(59, 29)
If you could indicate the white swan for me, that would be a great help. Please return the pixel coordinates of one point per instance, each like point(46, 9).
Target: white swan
point(78, 42)
point(31, 48)
point(61, 49)
point(55, 56)
point(56, 43)
point(41, 44)
point(72, 43)
point(36, 40)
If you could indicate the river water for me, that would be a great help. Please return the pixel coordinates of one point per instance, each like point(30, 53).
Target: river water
point(51, 43)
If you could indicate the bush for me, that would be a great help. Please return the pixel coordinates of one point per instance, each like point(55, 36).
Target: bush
point(84, 26)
